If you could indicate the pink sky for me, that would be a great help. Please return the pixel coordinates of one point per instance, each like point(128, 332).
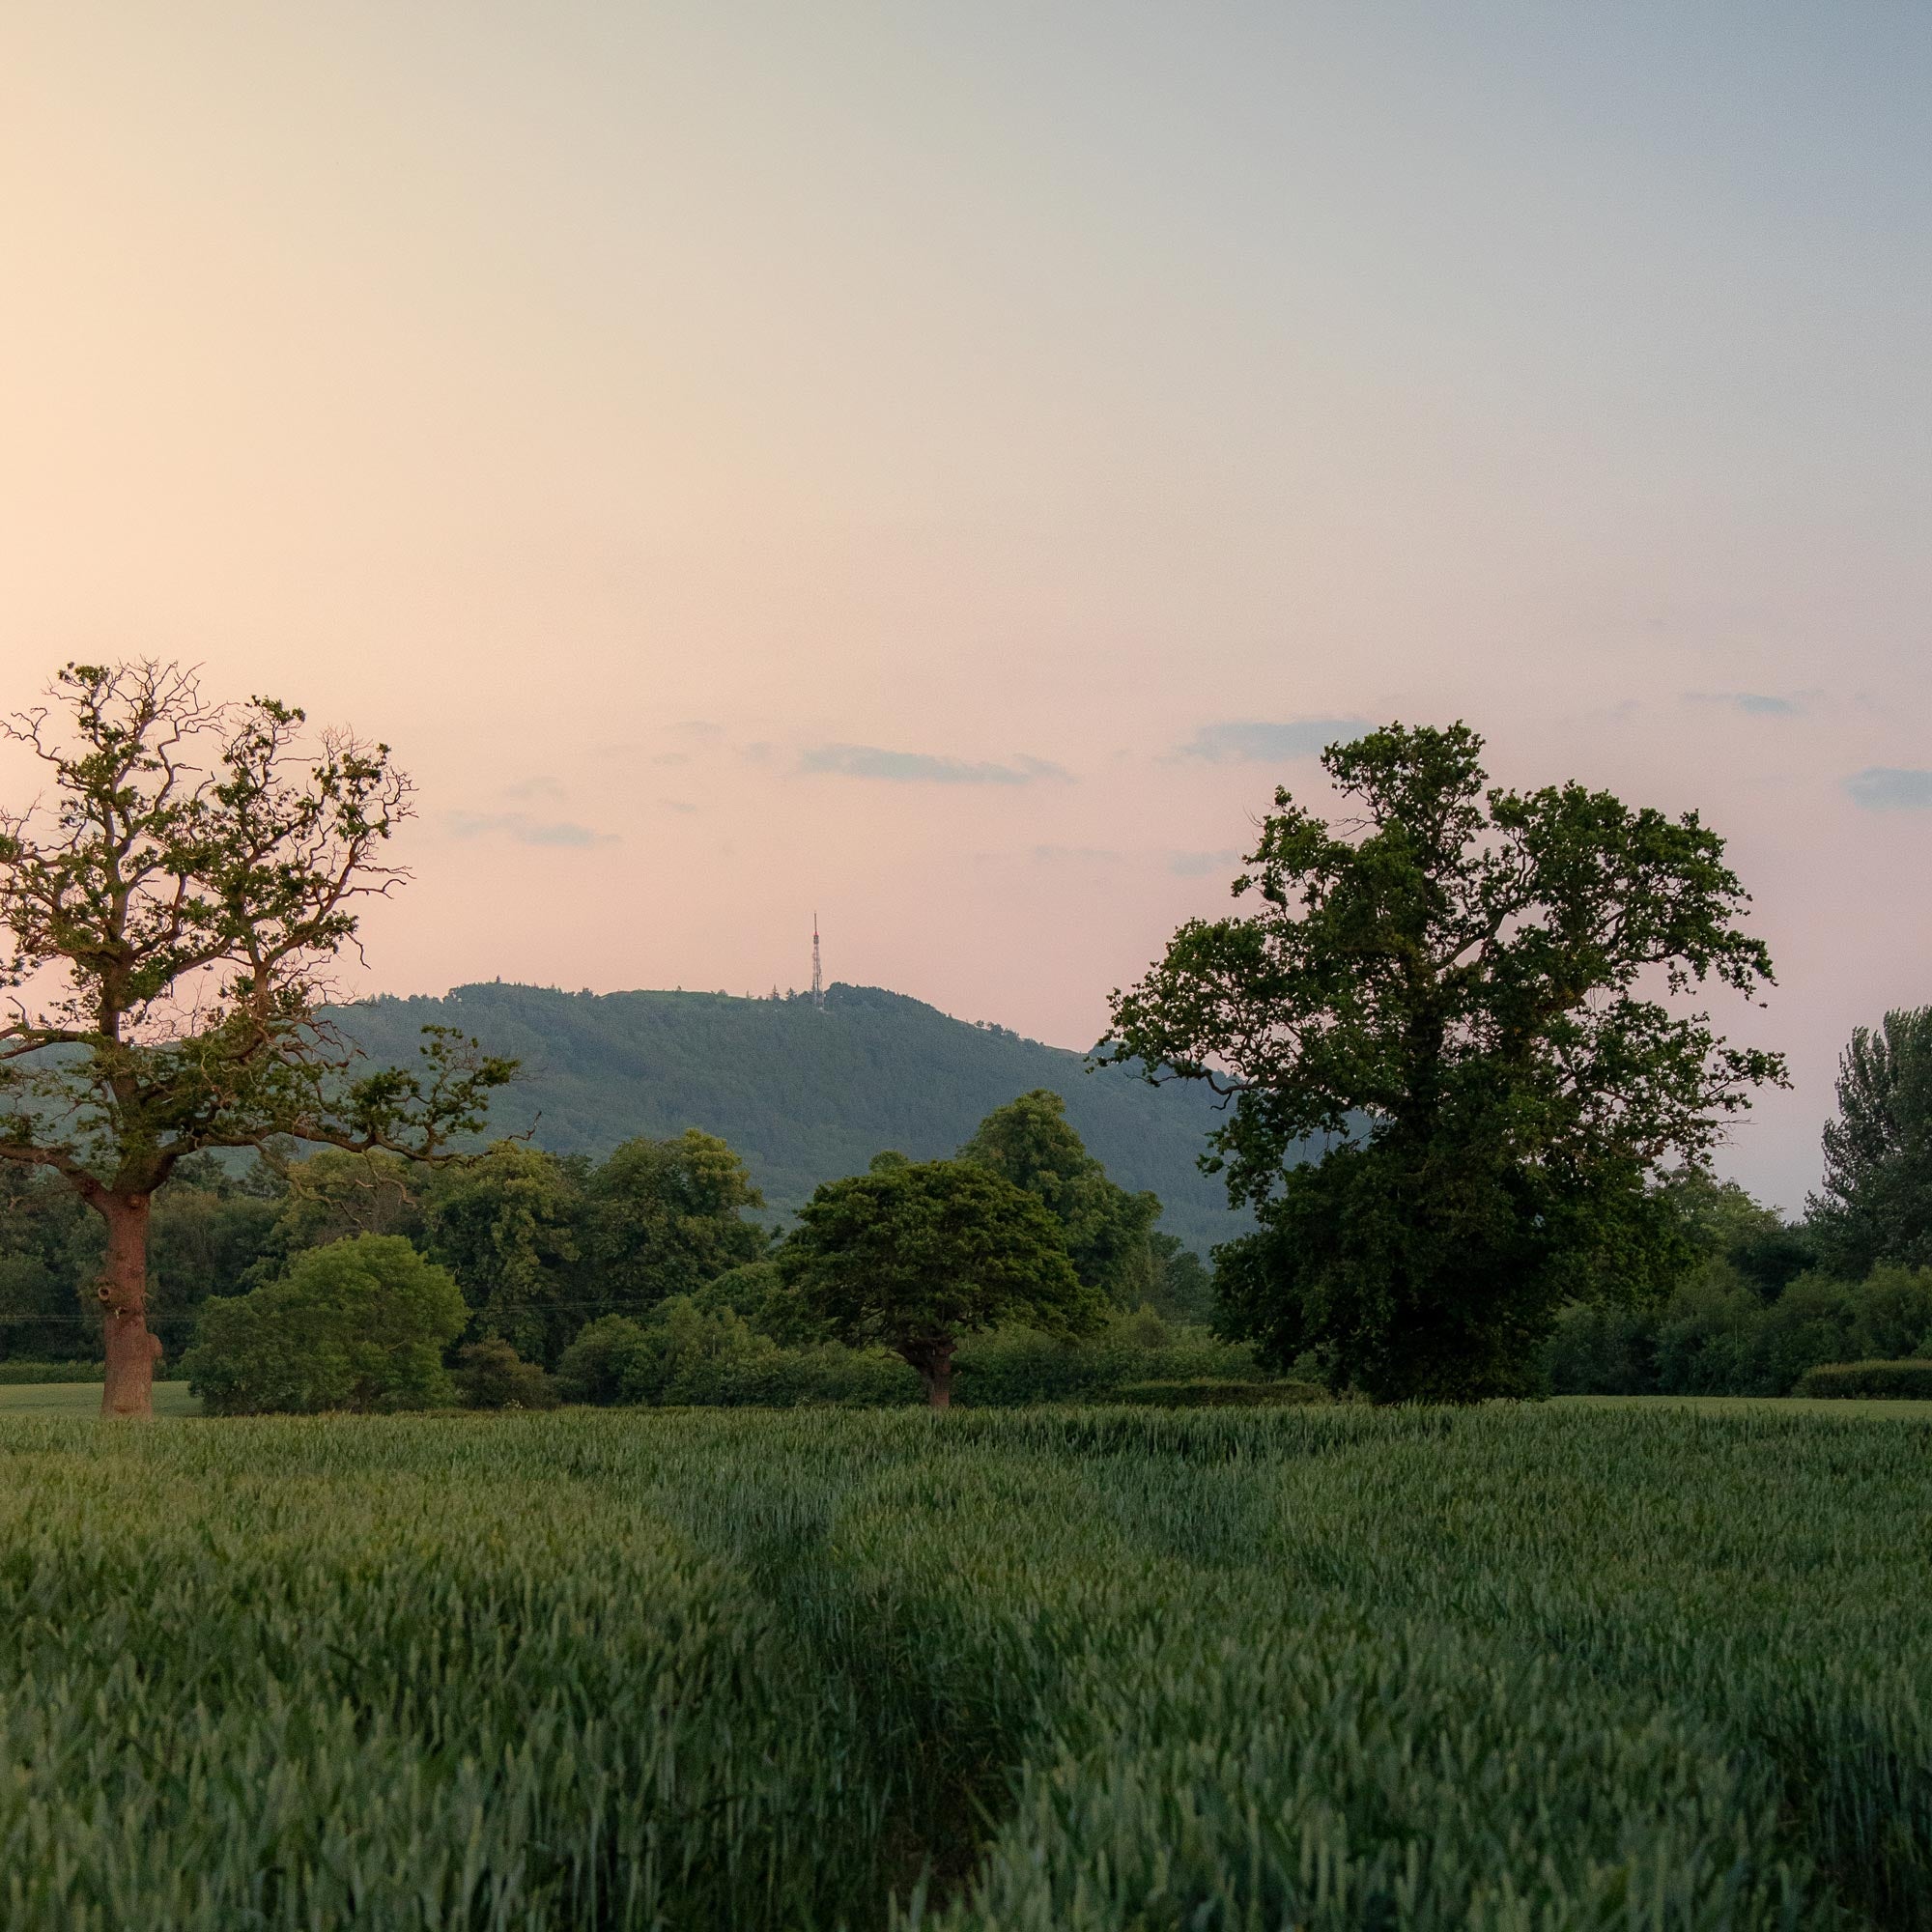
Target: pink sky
point(750, 460)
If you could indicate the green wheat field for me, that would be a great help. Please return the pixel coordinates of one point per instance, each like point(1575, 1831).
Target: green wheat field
point(1517, 1668)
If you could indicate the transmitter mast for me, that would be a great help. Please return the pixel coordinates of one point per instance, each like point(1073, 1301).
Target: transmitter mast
point(818, 978)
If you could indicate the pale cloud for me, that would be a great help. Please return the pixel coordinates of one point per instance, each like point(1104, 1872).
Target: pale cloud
point(677, 804)
point(1078, 855)
point(1244, 740)
point(524, 830)
point(672, 758)
point(1892, 788)
point(1197, 864)
point(540, 786)
point(871, 761)
point(1752, 703)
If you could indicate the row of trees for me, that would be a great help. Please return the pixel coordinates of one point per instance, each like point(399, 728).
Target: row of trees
point(652, 1255)
point(1484, 1003)
point(1770, 1299)
point(540, 1244)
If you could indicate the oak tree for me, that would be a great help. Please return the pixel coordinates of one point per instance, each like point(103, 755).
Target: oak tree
point(172, 908)
point(1474, 997)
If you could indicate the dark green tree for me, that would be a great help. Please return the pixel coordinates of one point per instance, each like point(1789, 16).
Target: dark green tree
point(1876, 1202)
point(1725, 1224)
point(361, 1323)
point(211, 1232)
point(505, 1226)
point(48, 1244)
point(914, 1257)
point(662, 1218)
point(172, 910)
point(1472, 993)
point(1033, 1143)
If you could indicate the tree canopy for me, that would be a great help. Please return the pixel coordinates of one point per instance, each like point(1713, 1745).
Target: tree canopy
point(1475, 995)
point(662, 1217)
point(1033, 1143)
point(916, 1255)
point(361, 1323)
point(1876, 1202)
point(172, 912)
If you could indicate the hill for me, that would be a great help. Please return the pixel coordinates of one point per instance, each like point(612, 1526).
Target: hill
point(803, 1096)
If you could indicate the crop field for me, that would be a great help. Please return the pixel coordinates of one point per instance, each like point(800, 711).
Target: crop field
point(1512, 1668)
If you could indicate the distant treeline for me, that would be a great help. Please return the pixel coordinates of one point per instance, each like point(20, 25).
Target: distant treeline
point(541, 1244)
point(1766, 1301)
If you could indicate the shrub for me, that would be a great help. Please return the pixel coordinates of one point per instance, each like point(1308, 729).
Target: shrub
point(16, 1373)
point(359, 1324)
point(757, 1292)
point(826, 1376)
point(1016, 1367)
point(1892, 1315)
point(688, 1353)
point(1598, 1350)
point(594, 1367)
point(1898, 1381)
point(1716, 1336)
point(492, 1374)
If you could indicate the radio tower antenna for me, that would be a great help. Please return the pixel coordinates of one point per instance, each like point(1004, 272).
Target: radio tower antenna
point(818, 978)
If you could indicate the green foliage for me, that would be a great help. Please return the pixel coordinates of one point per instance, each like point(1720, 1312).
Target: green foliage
point(1454, 988)
point(362, 1323)
point(698, 1352)
point(1018, 1367)
point(665, 1217)
point(690, 1354)
point(1910, 1380)
point(1876, 1204)
point(1723, 1223)
point(491, 1374)
point(758, 1292)
point(1106, 1230)
point(595, 1367)
point(1320, 1666)
point(1179, 1284)
point(914, 1258)
point(211, 1229)
point(50, 1244)
point(505, 1226)
point(22, 1374)
point(333, 1195)
point(1717, 1335)
point(805, 1097)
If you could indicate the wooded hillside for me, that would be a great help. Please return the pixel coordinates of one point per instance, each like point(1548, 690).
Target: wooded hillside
point(803, 1096)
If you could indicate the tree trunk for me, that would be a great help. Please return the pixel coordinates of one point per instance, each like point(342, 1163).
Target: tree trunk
point(934, 1362)
point(123, 1288)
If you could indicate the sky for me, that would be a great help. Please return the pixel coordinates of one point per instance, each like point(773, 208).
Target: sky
point(942, 466)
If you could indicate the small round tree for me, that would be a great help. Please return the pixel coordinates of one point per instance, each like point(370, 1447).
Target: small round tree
point(359, 1324)
point(173, 908)
point(916, 1254)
